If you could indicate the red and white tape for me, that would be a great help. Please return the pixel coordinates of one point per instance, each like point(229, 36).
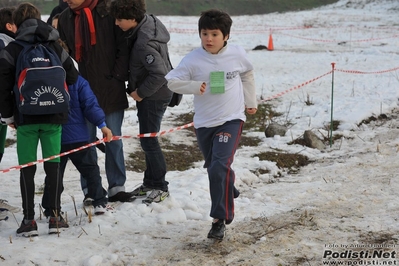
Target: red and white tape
point(294, 88)
point(146, 135)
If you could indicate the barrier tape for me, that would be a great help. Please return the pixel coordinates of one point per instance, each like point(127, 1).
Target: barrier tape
point(363, 72)
point(157, 134)
point(295, 87)
point(52, 157)
point(146, 135)
point(333, 41)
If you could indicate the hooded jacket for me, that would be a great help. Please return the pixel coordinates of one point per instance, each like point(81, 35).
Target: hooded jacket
point(32, 31)
point(149, 59)
point(83, 105)
point(5, 39)
point(105, 66)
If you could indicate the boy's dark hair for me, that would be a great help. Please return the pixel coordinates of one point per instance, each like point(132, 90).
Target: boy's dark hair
point(128, 9)
point(25, 11)
point(214, 19)
point(6, 17)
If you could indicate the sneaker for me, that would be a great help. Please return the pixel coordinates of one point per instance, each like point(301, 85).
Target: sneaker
point(27, 230)
point(87, 201)
point(56, 223)
point(101, 209)
point(156, 195)
point(3, 215)
point(122, 196)
point(141, 191)
point(5, 206)
point(217, 230)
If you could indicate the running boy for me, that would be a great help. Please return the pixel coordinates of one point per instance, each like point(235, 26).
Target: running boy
point(221, 78)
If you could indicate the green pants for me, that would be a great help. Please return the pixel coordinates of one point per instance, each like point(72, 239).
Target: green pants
point(28, 137)
point(3, 134)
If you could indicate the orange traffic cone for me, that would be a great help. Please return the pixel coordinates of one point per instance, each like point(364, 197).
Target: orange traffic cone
point(270, 46)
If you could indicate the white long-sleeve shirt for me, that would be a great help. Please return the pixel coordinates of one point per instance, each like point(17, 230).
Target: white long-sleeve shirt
point(215, 109)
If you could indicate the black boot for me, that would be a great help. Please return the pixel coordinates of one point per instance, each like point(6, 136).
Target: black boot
point(217, 230)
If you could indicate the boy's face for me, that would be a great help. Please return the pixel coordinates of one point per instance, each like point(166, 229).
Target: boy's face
point(212, 40)
point(126, 24)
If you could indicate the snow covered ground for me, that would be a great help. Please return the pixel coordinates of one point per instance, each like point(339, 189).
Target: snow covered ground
point(342, 208)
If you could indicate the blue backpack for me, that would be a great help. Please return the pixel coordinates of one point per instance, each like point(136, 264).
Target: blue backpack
point(40, 87)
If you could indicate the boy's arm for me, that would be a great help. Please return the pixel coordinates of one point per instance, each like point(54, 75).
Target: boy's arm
point(248, 83)
point(185, 87)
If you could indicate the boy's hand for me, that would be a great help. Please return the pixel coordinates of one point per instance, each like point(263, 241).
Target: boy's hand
point(202, 88)
point(251, 111)
point(135, 96)
point(107, 133)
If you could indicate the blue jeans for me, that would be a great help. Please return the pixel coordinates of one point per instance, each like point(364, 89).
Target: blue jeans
point(150, 113)
point(114, 157)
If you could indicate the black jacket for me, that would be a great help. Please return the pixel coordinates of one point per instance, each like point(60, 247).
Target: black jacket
point(149, 59)
point(32, 31)
point(106, 64)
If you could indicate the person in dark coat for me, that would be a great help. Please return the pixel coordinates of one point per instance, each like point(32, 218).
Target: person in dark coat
point(7, 35)
point(100, 49)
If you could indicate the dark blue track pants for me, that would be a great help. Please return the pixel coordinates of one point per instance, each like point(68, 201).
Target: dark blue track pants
point(218, 146)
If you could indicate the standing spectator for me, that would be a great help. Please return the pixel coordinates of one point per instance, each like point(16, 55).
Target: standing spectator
point(100, 49)
point(83, 105)
point(149, 63)
point(34, 128)
point(7, 35)
point(57, 10)
point(54, 23)
point(221, 78)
